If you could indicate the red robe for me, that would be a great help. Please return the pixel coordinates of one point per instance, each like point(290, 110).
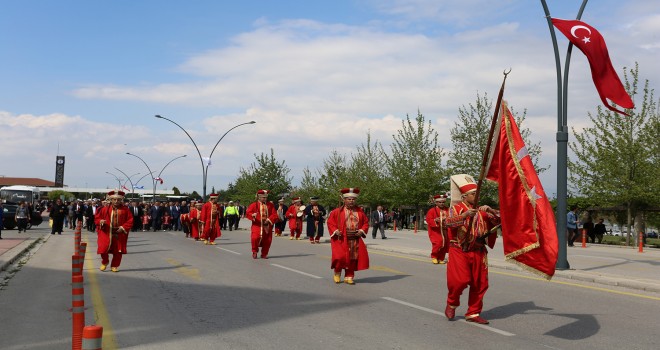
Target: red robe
point(194, 222)
point(119, 239)
point(341, 258)
point(468, 265)
point(438, 232)
point(261, 231)
point(295, 222)
point(211, 221)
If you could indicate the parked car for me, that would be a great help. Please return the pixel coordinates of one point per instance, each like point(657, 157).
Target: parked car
point(652, 234)
point(9, 217)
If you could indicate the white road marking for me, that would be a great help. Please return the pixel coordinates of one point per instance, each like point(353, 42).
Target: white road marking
point(488, 328)
point(231, 251)
point(296, 271)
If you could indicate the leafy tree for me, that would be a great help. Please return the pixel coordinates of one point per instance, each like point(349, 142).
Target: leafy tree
point(469, 138)
point(333, 176)
point(309, 186)
point(176, 191)
point(53, 195)
point(366, 172)
point(617, 158)
point(415, 166)
point(266, 173)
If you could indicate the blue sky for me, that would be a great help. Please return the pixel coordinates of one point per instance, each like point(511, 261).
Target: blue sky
point(90, 75)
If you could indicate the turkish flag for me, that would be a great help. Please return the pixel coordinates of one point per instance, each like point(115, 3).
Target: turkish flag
point(529, 232)
point(592, 44)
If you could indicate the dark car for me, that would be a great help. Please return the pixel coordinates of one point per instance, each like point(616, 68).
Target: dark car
point(9, 217)
point(652, 234)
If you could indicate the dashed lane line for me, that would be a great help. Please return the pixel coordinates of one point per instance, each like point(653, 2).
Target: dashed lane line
point(488, 328)
point(297, 271)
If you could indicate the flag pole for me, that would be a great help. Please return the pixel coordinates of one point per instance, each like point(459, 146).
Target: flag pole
point(484, 161)
point(562, 140)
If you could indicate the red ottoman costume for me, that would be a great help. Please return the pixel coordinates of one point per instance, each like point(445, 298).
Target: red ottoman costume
point(435, 221)
point(347, 226)
point(263, 215)
point(113, 223)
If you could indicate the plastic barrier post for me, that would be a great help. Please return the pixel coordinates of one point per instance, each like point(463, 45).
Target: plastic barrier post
point(415, 226)
point(641, 242)
point(394, 225)
point(584, 238)
point(78, 311)
point(92, 337)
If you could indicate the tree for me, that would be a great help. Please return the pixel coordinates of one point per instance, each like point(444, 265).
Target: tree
point(176, 191)
point(267, 173)
point(415, 163)
point(333, 176)
point(469, 138)
point(616, 160)
point(367, 173)
point(53, 195)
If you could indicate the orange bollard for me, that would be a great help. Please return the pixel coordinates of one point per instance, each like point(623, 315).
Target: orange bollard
point(76, 265)
point(92, 338)
point(78, 311)
point(584, 238)
point(83, 250)
point(394, 225)
point(415, 226)
point(77, 238)
point(641, 242)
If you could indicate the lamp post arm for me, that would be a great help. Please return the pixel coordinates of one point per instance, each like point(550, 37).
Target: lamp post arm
point(201, 160)
point(161, 171)
point(116, 178)
point(225, 134)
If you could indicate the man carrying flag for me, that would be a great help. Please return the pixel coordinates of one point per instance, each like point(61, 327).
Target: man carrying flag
point(469, 231)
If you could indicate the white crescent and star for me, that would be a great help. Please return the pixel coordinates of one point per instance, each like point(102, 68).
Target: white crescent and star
point(585, 39)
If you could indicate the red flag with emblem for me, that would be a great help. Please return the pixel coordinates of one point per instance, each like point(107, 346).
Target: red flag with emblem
point(529, 232)
point(592, 44)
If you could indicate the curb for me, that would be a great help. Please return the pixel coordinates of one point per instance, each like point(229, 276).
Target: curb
point(19, 250)
point(576, 275)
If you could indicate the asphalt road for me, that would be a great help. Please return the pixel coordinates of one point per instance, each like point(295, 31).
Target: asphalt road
point(174, 293)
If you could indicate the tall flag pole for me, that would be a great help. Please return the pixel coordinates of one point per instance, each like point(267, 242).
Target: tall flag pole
point(562, 140)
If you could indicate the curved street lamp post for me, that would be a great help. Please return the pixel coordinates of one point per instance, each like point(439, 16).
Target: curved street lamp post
point(128, 179)
point(116, 178)
point(154, 181)
point(205, 165)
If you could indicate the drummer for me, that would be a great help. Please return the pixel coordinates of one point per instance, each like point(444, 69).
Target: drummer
point(295, 215)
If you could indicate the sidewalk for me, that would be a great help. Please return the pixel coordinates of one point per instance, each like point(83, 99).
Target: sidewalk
point(597, 263)
point(14, 244)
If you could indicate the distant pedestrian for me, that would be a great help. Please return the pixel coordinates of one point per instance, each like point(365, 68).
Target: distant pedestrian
point(378, 222)
point(599, 230)
point(57, 212)
point(231, 213)
point(22, 216)
point(571, 225)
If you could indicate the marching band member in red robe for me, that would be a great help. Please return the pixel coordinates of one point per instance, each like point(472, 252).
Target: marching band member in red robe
point(348, 226)
point(210, 218)
point(295, 220)
point(469, 233)
point(435, 221)
point(113, 223)
point(196, 227)
point(263, 215)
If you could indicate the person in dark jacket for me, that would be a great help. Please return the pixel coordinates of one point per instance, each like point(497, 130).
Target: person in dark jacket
point(57, 213)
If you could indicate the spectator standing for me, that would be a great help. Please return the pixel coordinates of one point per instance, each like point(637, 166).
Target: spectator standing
point(22, 216)
point(378, 222)
point(2, 211)
point(136, 210)
point(71, 217)
point(156, 214)
point(57, 213)
point(571, 225)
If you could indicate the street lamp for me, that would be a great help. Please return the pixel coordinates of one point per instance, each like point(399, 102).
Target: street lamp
point(205, 165)
point(115, 176)
point(128, 180)
point(153, 194)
